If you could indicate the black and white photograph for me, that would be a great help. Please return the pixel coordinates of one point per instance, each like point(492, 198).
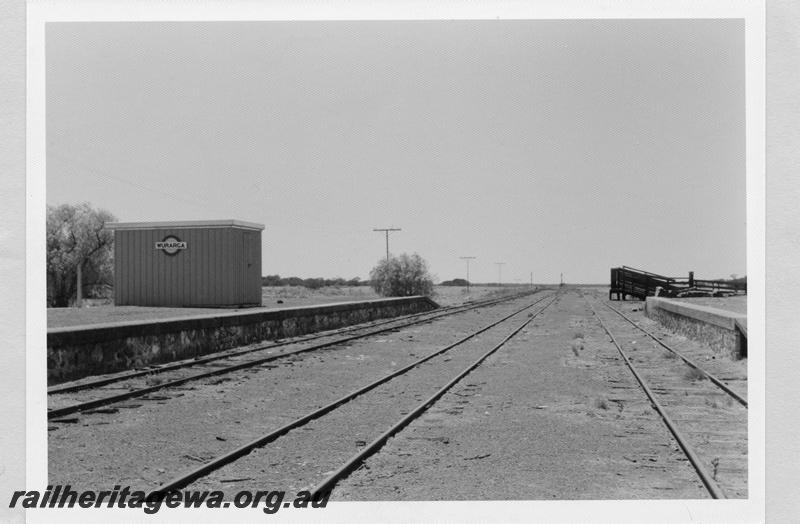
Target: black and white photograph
point(406, 266)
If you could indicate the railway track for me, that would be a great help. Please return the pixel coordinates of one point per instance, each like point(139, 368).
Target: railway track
point(707, 419)
point(719, 382)
point(94, 382)
point(352, 424)
point(236, 361)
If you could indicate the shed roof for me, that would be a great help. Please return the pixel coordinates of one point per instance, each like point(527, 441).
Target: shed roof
point(185, 224)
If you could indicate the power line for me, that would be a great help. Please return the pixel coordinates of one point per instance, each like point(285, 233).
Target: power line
point(101, 174)
point(186, 197)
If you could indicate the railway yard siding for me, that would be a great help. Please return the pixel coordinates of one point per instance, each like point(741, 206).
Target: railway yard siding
point(712, 326)
point(81, 351)
point(553, 396)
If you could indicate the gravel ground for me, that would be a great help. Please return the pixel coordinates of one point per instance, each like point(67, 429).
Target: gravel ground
point(323, 445)
point(554, 414)
point(711, 420)
point(539, 422)
point(153, 438)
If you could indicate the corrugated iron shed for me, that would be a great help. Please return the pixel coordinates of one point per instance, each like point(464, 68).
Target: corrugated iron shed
point(188, 263)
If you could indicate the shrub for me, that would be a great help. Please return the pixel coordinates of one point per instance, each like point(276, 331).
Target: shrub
point(402, 276)
point(271, 280)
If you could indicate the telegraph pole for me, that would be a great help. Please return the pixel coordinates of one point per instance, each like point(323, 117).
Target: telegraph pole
point(531, 279)
point(386, 230)
point(467, 259)
point(499, 272)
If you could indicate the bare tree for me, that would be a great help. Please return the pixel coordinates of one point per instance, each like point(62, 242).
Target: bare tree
point(79, 251)
point(402, 276)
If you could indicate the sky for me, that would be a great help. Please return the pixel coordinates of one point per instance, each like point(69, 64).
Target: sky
point(552, 146)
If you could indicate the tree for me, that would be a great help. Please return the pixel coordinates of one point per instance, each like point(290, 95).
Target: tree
point(77, 241)
point(402, 276)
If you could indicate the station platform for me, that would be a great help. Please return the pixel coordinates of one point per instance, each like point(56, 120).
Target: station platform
point(109, 313)
point(75, 352)
point(724, 330)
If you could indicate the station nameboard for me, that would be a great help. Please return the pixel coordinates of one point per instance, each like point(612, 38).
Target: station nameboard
point(171, 245)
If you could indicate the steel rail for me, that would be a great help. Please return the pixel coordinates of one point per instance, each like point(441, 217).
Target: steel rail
point(708, 480)
point(686, 360)
point(154, 370)
point(203, 469)
point(353, 462)
point(93, 404)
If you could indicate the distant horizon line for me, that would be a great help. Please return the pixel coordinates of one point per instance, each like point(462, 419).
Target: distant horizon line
point(364, 281)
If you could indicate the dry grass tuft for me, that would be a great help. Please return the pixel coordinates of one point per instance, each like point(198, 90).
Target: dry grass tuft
point(694, 374)
point(600, 403)
point(153, 380)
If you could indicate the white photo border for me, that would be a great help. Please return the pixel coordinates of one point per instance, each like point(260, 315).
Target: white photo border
point(750, 510)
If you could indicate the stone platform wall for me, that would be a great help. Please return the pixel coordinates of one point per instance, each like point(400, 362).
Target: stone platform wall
point(77, 352)
point(714, 327)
